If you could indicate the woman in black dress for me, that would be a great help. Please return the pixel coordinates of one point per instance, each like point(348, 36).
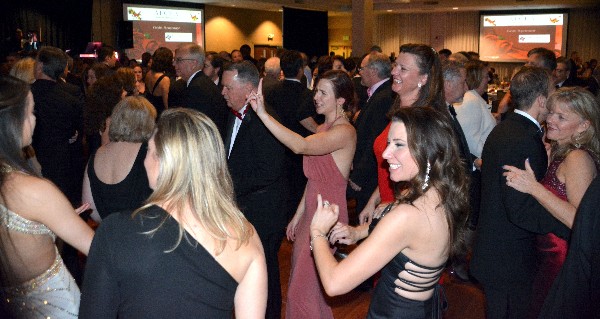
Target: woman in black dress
point(189, 252)
point(417, 233)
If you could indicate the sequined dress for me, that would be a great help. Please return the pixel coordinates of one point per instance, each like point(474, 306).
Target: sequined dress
point(551, 249)
point(52, 294)
point(305, 297)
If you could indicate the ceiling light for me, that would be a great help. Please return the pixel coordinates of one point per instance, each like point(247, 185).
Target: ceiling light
point(455, 8)
point(388, 10)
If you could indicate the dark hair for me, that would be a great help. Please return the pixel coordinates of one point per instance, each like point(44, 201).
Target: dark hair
point(564, 61)
point(54, 60)
point(215, 59)
point(445, 52)
point(13, 106)
point(475, 73)
point(527, 85)
point(246, 72)
point(102, 98)
point(104, 52)
point(430, 139)
point(126, 78)
point(100, 70)
point(342, 86)
point(146, 56)
point(324, 64)
point(349, 64)
point(291, 62)
point(245, 50)
point(162, 59)
point(548, 58)
point(428, 61)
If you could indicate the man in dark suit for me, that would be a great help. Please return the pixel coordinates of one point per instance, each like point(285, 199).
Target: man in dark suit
point(504, 259)
point(294, 105)
point(59, 124)
point(375, 72)
point(562, 74)
point(576, 290)
point(455, 86)
point(256, 162)
point(200, 93)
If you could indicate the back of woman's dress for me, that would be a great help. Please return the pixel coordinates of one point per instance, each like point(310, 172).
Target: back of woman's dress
point(52, 294)
point(305, 297)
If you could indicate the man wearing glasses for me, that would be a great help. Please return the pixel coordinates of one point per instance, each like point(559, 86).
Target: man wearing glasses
point(199, 93)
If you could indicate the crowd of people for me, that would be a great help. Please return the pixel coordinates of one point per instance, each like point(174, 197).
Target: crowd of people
point(190, 168)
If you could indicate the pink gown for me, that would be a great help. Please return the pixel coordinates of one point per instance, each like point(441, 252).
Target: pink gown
point(305, 297)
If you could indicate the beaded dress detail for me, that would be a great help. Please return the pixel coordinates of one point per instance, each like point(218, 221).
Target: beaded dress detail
point(52, 294)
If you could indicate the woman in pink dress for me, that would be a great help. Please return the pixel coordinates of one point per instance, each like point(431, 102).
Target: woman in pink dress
point(327, 159)
point(572, 128)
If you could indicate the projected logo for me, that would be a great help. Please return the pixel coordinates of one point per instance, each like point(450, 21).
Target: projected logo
point(136, 15)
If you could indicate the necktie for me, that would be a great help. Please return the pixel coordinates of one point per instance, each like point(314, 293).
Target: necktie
point(369, 93)
point(238, 114)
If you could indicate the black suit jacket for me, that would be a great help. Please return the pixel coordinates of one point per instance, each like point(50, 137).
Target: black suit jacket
point(504, 252)
point(203, 95)
point(576, 290)
point(256, 166)
point(369, 124)
point(59, 115)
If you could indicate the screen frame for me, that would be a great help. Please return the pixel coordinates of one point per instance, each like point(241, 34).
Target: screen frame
point(564, 44)
point(169, 4)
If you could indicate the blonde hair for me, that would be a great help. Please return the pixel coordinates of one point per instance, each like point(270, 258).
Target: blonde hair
point(24, 70)
point(193, 175)
point(581, 102)
point(132, 120)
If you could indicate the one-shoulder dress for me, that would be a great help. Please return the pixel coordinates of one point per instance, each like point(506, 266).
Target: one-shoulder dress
point(52, 294)
point(305, 297)
point(133, 272)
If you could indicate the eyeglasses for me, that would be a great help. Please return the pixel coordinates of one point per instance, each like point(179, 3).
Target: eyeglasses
point(360, 68)
point(179, 60)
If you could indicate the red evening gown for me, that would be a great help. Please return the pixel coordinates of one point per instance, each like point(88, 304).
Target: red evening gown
point(386, 186)
point(551, 249)
point(305, 297)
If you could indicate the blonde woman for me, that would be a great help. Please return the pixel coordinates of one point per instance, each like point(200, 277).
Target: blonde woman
point(189, 252)
point(24, 69)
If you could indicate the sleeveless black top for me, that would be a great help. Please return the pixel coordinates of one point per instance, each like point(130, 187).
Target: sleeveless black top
point(127, 194)
point(386, 303)
point(157, 101)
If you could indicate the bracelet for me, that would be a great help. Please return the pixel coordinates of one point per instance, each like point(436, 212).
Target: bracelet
point(315, 237)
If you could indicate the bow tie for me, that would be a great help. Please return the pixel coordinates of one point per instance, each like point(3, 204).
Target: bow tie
point(238, 114)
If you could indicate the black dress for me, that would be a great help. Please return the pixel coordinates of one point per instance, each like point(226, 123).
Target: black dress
point(127, 194)
point(386, 303)
point(157, 101)
point(132, 274)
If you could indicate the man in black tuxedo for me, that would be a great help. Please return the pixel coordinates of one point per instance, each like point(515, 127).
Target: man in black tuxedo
point(294, 105)
point(56, 138)
point(576, 290)
point(200, 93)
point(562, 74)
point(375, 71)
point(256, 160)
point(504, 256)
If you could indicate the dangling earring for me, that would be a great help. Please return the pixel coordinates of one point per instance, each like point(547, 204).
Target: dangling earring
point(577, 143)
point(419, 85)
point(426, 183)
